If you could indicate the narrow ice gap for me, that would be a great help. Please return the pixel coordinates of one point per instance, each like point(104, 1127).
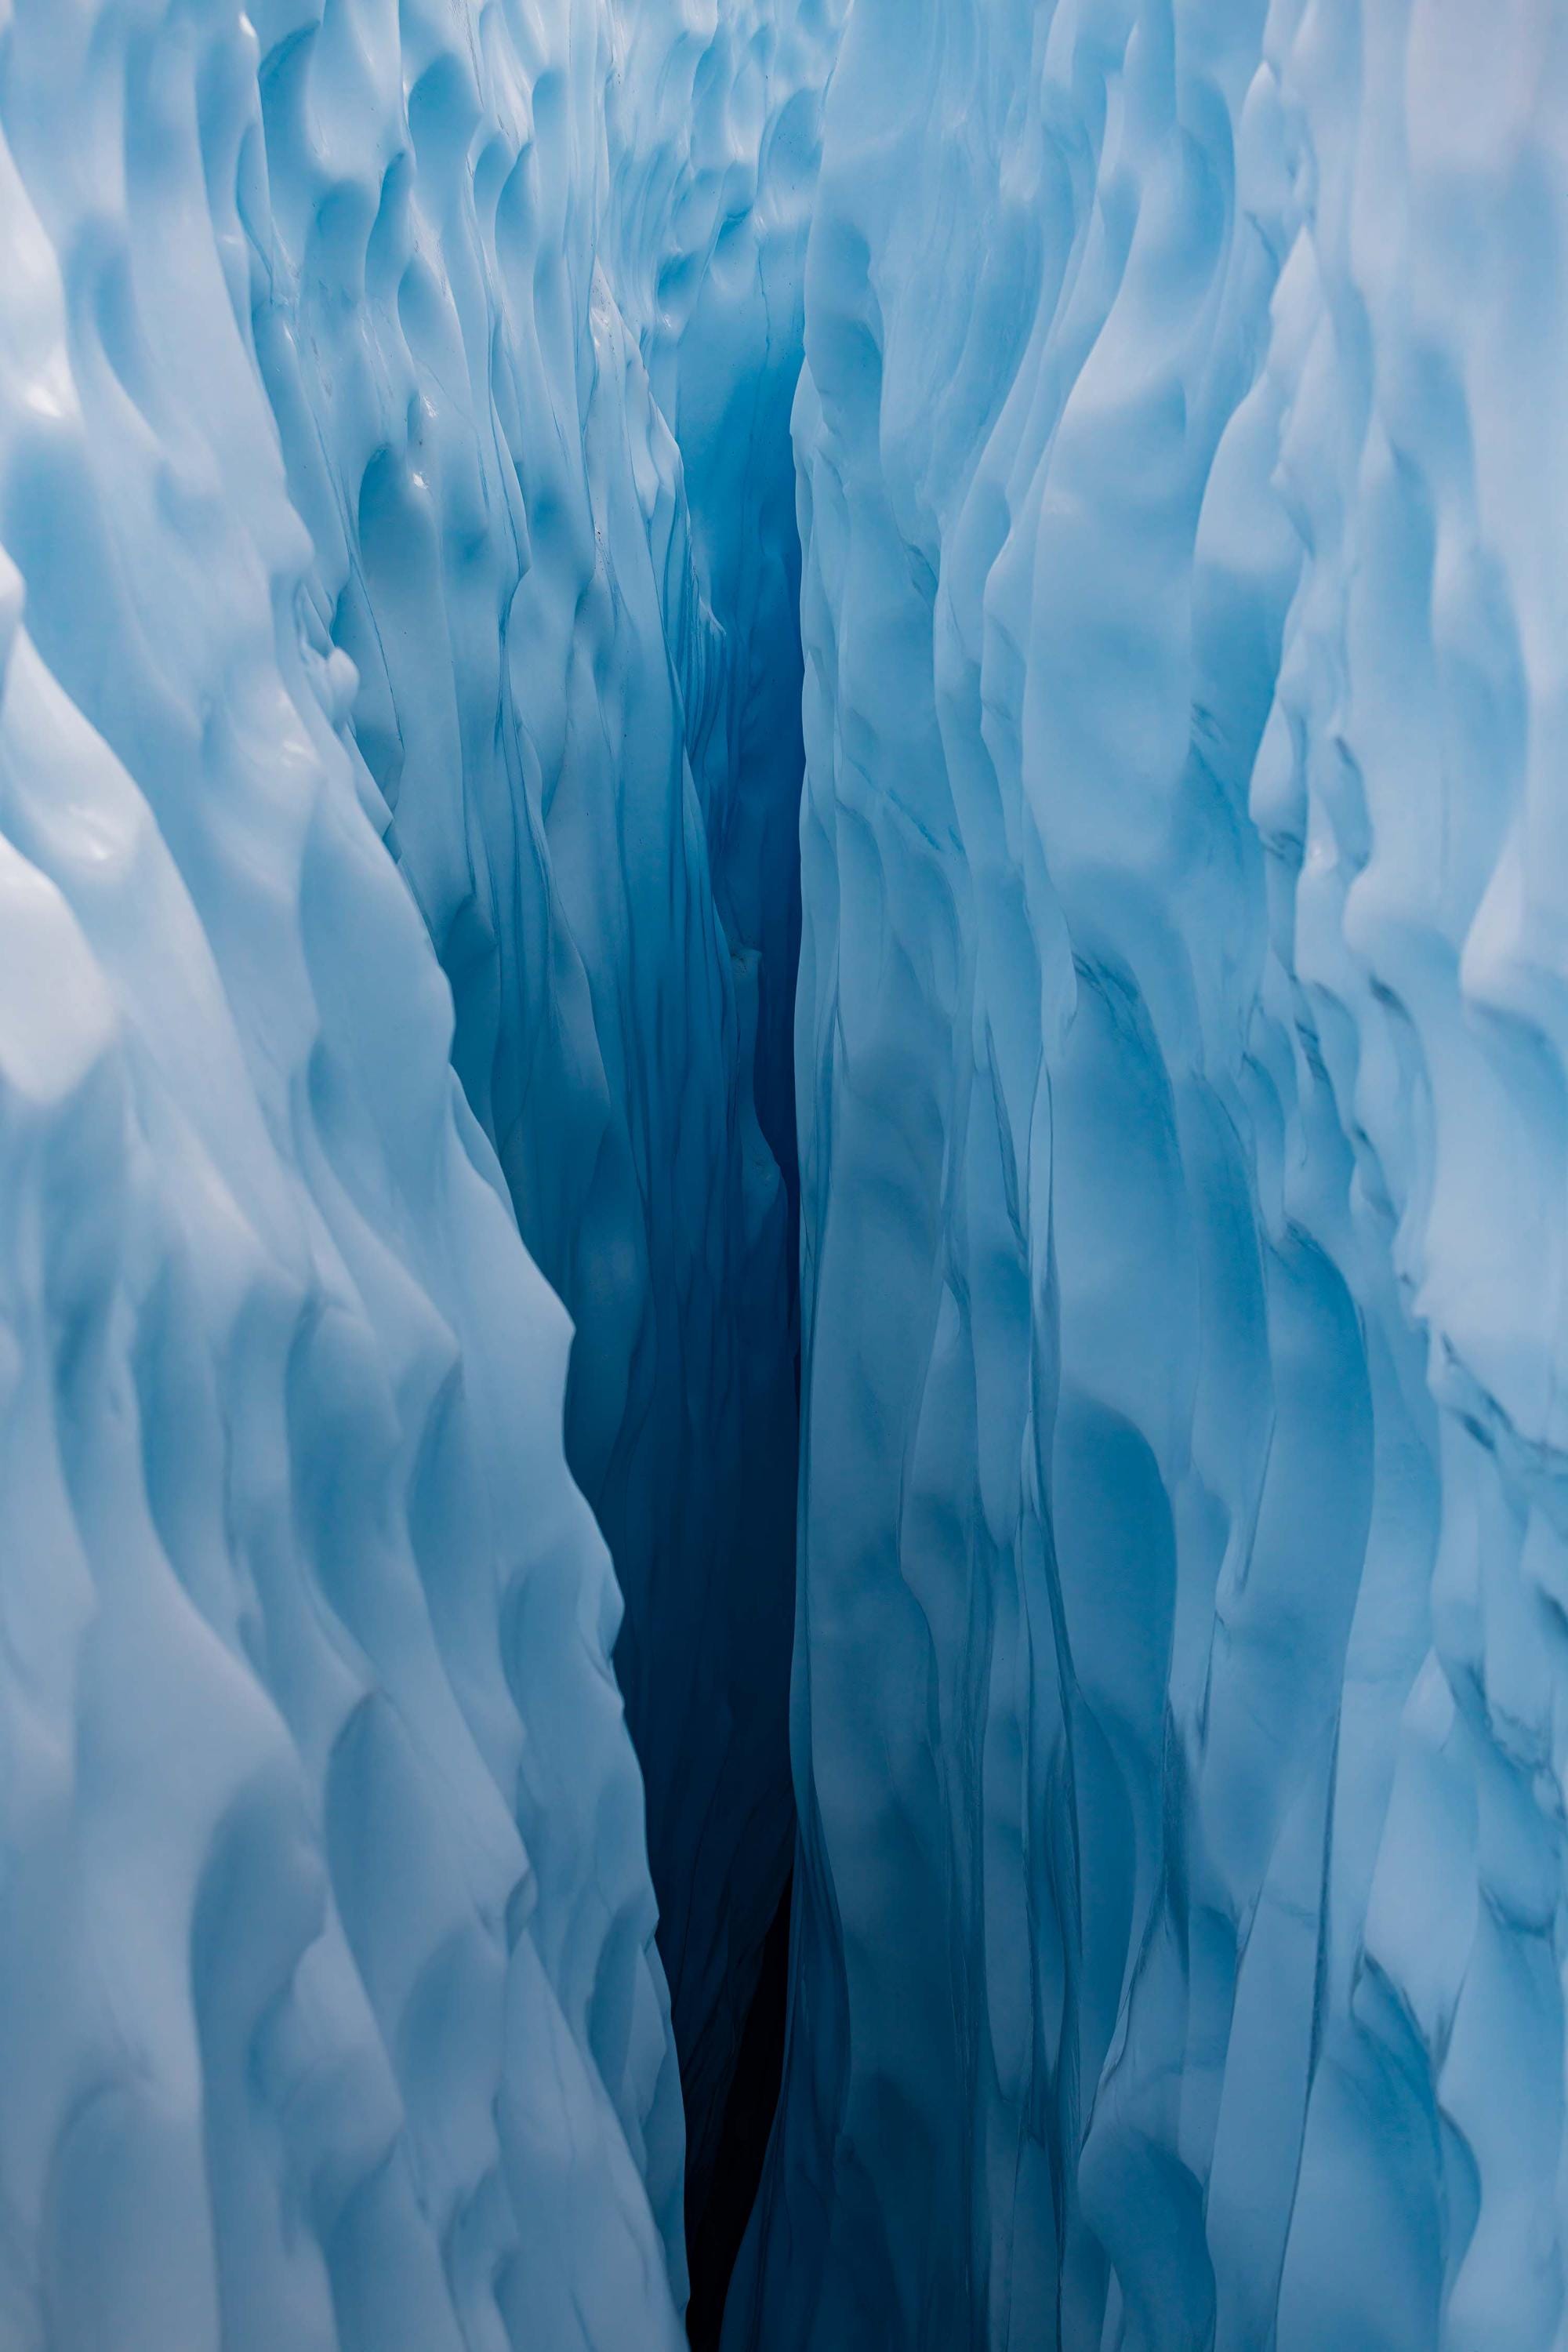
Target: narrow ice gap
point(784, 1108)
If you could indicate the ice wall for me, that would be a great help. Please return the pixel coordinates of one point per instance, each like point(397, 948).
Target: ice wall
point(336, 504)
point(1179, 1719)
point(506, 255)
point(330, 2014)
point(399, 740)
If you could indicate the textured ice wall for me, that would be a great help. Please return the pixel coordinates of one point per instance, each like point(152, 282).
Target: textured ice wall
point(1183, 1650)
point(329, 2009)
point(503, 256)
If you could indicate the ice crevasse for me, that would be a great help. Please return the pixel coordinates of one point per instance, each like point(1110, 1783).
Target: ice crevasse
point(409, 584)
point(341, 515)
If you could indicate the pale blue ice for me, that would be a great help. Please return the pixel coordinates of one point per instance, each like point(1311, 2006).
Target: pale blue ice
point(518, 518)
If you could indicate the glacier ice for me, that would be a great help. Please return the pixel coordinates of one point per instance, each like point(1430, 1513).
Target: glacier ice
point(414, 618)
point(1179, 1711)
point(492, 279)
point(337, 504)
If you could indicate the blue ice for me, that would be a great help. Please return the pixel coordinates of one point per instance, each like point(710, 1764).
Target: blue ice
point(463, 462)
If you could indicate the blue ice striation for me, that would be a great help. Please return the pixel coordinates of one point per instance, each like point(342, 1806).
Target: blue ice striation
point(1181, 1716)
point(462, 463)
point(496, 259)
point(340, 515)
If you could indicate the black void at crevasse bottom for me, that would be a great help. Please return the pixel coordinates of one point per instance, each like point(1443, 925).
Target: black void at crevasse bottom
point(713, 2236)
point(772, 755)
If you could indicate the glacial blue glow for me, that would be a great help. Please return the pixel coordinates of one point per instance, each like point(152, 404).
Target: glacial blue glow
point(497, 277)
point(1180, 1719)
point(337, 505)
point(425, 571)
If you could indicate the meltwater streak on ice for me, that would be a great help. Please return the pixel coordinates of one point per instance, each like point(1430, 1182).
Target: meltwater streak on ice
point(331, 2015)
point(1179, 1718)
point(578, 693)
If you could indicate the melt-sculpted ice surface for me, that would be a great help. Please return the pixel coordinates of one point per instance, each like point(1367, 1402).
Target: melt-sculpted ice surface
point(507, 257)
point(335, 504)
point(1179, 1721)
point(399, 737)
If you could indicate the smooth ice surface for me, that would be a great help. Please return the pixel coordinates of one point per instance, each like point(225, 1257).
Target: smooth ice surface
point(1180, 1719)
point(337, 503)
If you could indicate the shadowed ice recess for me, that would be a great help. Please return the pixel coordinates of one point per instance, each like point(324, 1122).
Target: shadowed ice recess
point(596, 1533)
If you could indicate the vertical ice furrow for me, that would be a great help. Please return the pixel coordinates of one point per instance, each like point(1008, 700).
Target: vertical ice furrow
point(332, 2012)
point(530, 336)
